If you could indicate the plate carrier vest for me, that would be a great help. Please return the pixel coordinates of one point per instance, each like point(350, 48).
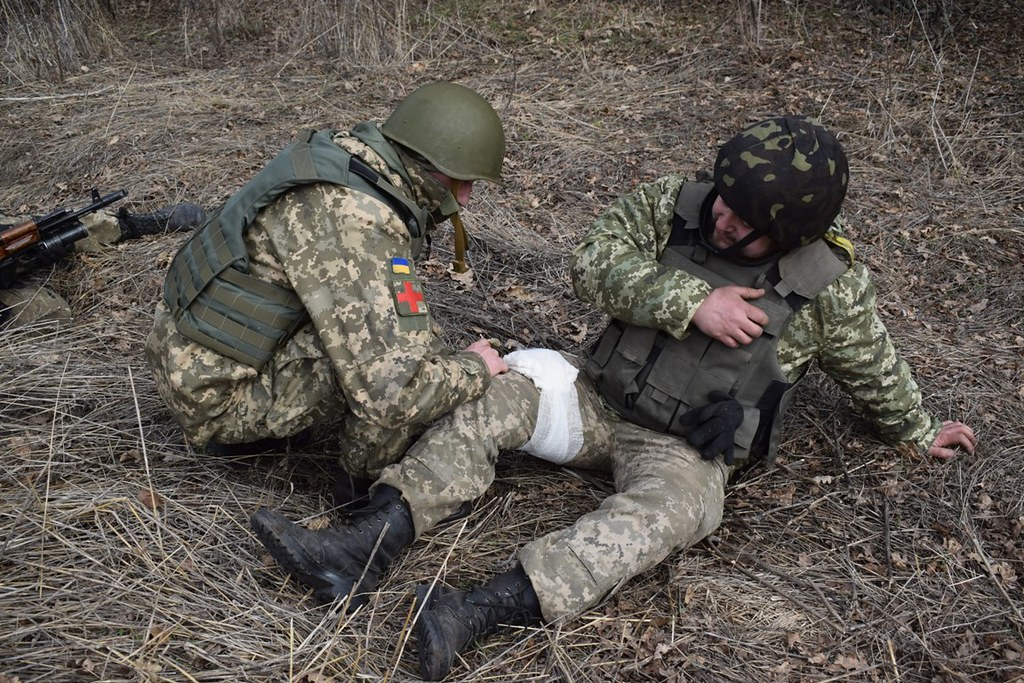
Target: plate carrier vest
point(651, 378)
point(209, 291)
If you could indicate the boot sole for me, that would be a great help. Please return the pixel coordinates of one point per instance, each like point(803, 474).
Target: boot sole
point(428, 631)
point(273, 532)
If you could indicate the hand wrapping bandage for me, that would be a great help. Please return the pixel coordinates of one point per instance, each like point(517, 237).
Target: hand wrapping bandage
point(558, 436)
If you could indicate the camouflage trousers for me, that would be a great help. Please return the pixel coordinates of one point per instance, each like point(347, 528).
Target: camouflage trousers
point(667, 497)
point(215, 398)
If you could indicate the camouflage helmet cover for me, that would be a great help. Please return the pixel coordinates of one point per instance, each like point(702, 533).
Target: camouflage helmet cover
point(785, 176)
point(453, 128)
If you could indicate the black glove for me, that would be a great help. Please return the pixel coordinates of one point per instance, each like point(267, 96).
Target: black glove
point(714, 426)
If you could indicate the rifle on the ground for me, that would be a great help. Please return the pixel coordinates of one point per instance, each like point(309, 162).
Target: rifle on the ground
point(42, 241)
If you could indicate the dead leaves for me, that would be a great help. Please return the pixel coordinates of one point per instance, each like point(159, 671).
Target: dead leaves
point(131, 455)
point(151, 499)
point(842, 663)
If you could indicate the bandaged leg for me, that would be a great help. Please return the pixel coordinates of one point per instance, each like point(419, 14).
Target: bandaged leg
point(453, 462)
point(558, 435)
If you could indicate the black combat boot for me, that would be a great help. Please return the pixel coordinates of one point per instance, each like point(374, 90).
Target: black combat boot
point(332, 561)
point(174, 218)
point(452, 620)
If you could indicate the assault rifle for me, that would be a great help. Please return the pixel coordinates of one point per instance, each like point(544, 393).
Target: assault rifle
point(42, 241)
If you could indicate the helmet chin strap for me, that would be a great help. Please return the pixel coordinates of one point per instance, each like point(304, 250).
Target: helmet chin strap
point(733, 252)
point(735, 249)
point(707, 228)
point(459, 264)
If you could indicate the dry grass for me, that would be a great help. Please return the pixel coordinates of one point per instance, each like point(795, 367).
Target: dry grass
point(848, 562)
point(54, 39)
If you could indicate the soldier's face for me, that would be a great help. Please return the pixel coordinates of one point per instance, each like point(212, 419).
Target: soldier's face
point(730, 229)
point(460, 189)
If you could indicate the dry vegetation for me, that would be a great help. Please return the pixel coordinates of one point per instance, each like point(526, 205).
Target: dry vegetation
point(125, 556)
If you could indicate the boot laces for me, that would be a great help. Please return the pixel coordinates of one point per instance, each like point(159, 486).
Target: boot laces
point(493, 608)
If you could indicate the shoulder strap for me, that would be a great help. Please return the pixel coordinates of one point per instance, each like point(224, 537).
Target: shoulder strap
point(325, 161)
point(807, 271)
point(686, 218)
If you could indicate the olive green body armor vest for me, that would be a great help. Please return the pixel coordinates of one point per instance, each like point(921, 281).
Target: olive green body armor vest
point(652, 378)
point(214, 299)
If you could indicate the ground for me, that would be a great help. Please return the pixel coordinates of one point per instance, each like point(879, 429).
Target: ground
point(127, 556)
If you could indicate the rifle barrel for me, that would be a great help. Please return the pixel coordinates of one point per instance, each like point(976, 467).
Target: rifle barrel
point(60, 217)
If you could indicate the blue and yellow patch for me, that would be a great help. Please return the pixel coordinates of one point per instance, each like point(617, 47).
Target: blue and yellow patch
point(400, 266)
point(407, 292)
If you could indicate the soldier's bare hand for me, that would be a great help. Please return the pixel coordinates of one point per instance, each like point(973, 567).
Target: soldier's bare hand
point(952, 434)
point(484, 348)
point(726, 316)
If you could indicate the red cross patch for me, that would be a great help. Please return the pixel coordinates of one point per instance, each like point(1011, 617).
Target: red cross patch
point(409, 298)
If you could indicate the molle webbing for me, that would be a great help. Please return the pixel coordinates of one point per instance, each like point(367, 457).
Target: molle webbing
point(209, 291)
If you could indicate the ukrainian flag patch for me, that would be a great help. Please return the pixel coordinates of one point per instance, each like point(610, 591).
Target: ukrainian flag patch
point(400, 266)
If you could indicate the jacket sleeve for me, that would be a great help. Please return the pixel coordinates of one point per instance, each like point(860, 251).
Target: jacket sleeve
point(616, 266)
point(858, 353)
point(336, 247)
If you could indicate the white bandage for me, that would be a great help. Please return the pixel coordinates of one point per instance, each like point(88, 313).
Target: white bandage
point(558, 436)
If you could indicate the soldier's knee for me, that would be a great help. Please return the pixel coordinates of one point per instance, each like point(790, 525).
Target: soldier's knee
point(31, 304)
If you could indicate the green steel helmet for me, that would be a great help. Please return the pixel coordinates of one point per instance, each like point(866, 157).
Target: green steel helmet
point(786, 177)
point(453, 128)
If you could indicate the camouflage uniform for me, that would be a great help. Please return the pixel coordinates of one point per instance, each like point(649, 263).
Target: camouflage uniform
point(369, 355)
point(28, 303)
point(667, 496)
